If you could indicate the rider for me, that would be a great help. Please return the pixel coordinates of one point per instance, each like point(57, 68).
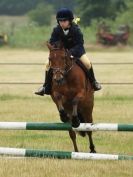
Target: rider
point(72, 38)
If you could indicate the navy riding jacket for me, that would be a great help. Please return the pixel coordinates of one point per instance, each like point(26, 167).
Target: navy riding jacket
point(73, 41)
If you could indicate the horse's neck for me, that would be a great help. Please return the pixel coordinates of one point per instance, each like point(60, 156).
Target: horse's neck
point(78, 73)
point(74, 71)
point(69, 61)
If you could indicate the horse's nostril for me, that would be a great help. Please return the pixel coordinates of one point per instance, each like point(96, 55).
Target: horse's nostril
point(59, 81)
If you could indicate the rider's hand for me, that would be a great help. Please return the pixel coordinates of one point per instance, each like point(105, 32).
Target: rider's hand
point(71, 56)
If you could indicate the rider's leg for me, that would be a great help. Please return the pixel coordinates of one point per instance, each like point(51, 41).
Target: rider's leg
point(46, 88)
point(90, 73)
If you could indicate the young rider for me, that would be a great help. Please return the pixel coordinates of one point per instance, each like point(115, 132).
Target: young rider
point(72, 38)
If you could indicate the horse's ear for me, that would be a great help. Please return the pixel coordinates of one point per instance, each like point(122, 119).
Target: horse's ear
point(50, 47)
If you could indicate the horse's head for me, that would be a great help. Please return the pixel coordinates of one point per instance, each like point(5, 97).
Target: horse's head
point(59, 61)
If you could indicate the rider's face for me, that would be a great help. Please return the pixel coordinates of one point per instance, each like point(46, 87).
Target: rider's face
point(64, 24)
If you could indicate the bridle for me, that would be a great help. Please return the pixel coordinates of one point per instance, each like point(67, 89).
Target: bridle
point(64, 71)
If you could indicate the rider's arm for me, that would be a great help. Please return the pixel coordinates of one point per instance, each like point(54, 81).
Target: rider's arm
point(78, 50)
point(54, 36)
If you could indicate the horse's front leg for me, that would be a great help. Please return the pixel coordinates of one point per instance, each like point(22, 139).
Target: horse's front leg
point(75, 119)
point(63, 115)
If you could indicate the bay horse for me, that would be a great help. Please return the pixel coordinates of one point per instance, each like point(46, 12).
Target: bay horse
point(71, 92)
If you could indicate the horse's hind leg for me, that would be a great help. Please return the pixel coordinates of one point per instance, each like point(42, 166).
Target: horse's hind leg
point(89, 133)
point(92, 147)
point(72, 135)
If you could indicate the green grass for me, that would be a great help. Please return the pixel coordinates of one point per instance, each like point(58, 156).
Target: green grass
point(30, 37)
point(9, 97)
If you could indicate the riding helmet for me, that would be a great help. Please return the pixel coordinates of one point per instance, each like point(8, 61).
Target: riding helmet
point(64, 14)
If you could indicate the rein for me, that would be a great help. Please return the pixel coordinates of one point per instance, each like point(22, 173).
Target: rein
point(64, 70)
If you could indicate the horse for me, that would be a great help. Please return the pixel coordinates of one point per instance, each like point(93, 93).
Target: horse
point(71, 92)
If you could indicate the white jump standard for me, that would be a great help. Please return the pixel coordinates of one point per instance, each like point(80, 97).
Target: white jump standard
point(60, 155)
point(65, 126)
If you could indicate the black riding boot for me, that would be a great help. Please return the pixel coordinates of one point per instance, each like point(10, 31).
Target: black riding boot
point(96, 85)
point(46, 88)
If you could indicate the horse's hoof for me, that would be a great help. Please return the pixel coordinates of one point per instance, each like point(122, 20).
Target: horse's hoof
point(93, 151)
point(64, 119)
point(75, 122)
point(63, 116)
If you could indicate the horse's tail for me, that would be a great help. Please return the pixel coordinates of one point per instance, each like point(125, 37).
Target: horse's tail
point(81, 118)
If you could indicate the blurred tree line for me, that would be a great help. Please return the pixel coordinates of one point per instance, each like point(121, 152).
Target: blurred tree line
point(41, 11)
point(97, 9)
point(21, 7)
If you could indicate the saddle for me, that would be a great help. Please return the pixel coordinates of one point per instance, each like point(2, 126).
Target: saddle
point(80, 64)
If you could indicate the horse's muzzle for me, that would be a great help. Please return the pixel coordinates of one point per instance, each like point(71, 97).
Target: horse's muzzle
point(59, 81)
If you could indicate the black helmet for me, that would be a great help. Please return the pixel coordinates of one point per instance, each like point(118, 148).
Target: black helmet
point(64, 14)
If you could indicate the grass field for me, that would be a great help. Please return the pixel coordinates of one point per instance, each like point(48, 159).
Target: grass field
point(18, 103)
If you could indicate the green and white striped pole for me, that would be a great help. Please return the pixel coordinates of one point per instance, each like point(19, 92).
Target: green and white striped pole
point(60, 155)
point(65, 126)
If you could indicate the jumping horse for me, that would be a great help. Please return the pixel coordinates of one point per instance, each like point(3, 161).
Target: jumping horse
point(71, 91)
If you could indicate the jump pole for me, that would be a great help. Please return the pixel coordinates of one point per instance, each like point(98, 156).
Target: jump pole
point(60, 155)
point(65, 126)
